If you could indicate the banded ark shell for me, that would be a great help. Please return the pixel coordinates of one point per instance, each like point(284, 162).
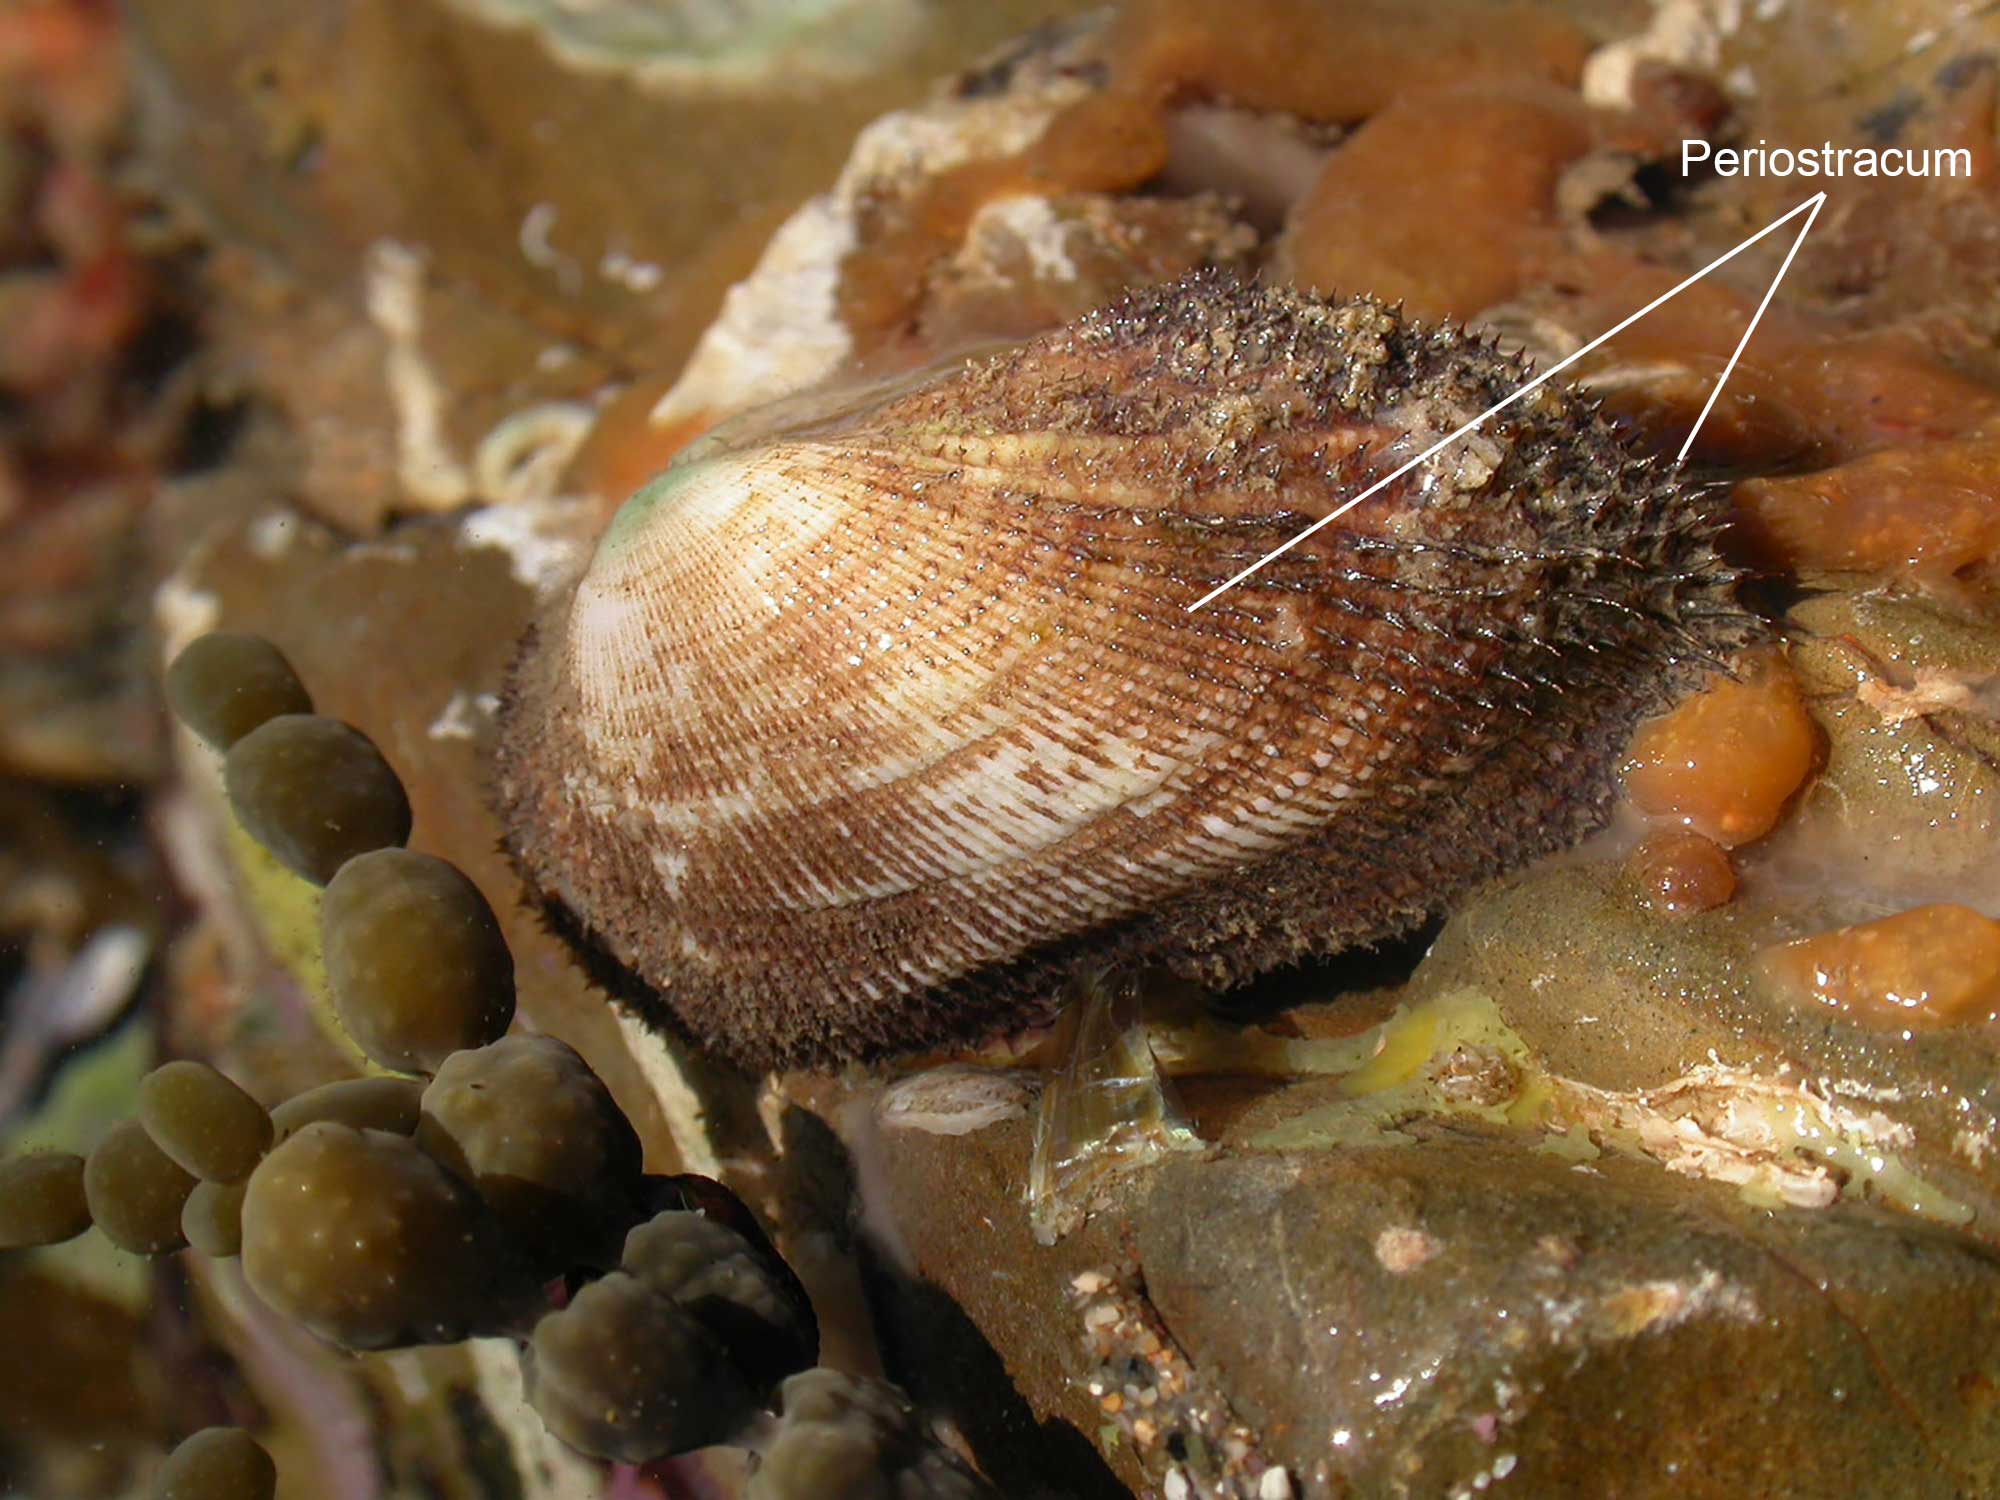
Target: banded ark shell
point(858, 731)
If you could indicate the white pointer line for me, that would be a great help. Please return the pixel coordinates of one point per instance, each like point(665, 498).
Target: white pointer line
point(1810, 208)
point(1769, 292)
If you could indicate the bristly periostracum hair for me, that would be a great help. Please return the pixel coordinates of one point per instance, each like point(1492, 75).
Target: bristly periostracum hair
point(868, 721)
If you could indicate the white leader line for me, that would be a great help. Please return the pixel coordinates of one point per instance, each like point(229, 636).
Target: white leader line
point(1810, 208)
point(1769, 292)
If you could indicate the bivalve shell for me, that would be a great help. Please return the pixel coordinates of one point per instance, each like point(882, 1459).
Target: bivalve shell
point(866, 720)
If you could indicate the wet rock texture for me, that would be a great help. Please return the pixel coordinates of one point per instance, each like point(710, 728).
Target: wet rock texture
point(307, 140)
point(1600, 1202)
point(1407, 1299)
point(1550, 1332)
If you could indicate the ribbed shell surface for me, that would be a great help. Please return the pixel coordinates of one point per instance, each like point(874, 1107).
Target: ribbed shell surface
point(855, 733)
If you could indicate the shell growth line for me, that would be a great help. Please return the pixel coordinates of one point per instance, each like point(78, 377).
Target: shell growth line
point(1810, 208)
